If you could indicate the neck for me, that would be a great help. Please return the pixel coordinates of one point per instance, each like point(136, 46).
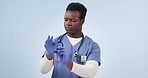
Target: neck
point(77, 35)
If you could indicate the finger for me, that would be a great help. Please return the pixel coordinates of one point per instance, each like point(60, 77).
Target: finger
point(54, 41)
point(61, 54)
point(51, 38)
point(47, 39)
point(60, 48)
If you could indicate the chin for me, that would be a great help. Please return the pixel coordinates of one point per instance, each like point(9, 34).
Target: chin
point(70, 33)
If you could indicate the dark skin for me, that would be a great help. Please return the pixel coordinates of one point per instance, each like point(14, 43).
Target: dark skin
point(73, 26)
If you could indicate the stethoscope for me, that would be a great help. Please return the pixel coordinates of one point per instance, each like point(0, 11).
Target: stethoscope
point(79, 58)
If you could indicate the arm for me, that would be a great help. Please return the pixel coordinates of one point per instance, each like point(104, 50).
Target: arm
point(88, 70)
point(91, 66)
point(46, 64)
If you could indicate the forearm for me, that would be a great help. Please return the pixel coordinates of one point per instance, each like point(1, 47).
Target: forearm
point(88, 70)
point(46, 64)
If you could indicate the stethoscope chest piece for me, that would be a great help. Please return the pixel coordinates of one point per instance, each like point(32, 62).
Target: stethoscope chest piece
point(79, 58)
point(75, 53)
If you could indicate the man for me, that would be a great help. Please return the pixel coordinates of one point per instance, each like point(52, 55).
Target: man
point(72, 54)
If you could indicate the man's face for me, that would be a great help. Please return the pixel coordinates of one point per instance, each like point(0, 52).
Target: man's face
point(72, 22)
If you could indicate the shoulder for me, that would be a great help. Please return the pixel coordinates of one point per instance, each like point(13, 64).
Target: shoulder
point(92, 43)
point(87, 38)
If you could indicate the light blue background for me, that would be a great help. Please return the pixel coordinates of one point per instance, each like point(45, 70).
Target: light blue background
point(119, 26)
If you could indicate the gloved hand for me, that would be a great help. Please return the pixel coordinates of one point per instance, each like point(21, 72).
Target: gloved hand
point(65, 58)
point(50, 46)
point(63, 55)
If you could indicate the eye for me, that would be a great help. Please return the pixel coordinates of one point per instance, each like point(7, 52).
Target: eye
point(73, 20)
point(65, 19)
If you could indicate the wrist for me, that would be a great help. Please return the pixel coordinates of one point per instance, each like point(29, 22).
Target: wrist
point(69, 65)
point(48, 57)
point(49, 54)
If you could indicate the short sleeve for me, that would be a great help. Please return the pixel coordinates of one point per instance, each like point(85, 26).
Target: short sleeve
point(94, 53)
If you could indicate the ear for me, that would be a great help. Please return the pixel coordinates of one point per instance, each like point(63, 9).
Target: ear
point(82, 21)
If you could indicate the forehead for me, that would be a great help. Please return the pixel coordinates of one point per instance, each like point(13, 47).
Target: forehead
point(72, 14)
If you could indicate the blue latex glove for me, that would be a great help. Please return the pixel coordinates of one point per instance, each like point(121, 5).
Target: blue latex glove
point(50, 46)
point(63, 55)
point(64, 58)
point(59, 50)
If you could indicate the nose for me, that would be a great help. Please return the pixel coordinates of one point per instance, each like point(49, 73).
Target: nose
point(68, 23)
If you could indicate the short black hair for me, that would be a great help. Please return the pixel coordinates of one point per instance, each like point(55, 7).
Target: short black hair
point(75, 6)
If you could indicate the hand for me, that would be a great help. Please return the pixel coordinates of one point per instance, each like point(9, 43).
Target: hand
point(65, 58)
point(63, 55)
point(50, 46)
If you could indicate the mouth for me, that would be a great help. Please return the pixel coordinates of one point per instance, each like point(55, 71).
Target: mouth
point(68, 28)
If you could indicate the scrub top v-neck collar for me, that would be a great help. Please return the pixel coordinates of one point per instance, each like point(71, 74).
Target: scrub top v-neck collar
point(74, 41)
